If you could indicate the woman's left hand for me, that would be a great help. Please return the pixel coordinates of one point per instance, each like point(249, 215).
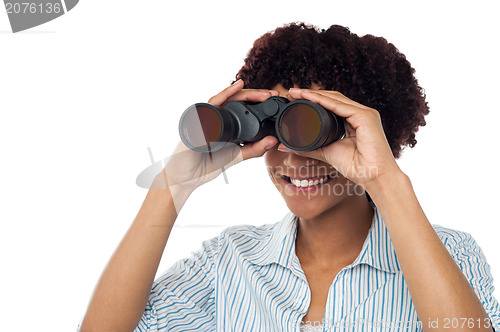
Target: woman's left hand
point(363, 155)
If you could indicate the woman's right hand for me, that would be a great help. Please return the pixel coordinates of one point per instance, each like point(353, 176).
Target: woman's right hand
point(186, 170)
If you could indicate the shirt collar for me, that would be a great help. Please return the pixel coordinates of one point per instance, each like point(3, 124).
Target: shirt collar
point(279, 247)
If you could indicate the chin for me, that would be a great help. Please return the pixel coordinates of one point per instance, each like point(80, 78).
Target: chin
point(310, 209)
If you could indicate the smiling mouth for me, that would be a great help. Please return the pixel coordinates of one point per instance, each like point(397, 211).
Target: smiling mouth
point(307, 182)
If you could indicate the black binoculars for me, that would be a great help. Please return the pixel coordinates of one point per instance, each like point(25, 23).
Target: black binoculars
point(300, 124)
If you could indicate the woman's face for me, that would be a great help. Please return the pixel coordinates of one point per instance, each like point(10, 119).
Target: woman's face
point(309, 186)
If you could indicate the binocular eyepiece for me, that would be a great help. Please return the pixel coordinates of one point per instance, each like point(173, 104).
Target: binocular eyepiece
point(300, 125)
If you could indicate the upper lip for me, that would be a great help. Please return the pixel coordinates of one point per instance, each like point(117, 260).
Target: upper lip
point(307, 177)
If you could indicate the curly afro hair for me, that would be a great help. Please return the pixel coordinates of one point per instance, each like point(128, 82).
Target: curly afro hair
point(366, 69)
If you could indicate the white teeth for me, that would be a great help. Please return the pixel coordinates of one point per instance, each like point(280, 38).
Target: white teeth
point(306, 183)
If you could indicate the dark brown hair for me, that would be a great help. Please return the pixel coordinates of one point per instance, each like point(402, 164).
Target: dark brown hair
point(368, 70)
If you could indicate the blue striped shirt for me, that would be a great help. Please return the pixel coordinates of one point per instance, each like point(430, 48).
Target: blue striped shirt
point(249, 279)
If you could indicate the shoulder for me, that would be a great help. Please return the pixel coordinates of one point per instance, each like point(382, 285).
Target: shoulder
point(451, 236)
point(254, 244)
point(457, 242)
point(238, 234)
point(246, 236)
point(250, 232)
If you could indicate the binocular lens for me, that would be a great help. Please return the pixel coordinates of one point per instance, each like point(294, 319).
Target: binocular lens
point(300, 126)
point(202, 126)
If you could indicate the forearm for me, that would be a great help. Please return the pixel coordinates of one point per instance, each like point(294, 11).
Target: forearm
point(121, 294)
point(438, 287)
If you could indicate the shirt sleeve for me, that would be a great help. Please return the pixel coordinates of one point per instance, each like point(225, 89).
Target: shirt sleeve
point(471, 260)
point(183, 298)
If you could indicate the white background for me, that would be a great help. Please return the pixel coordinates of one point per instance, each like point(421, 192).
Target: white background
point(84, 96)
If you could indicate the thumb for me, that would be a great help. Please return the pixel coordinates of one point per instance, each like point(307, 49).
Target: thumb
point(257, 149)
point(315, 154)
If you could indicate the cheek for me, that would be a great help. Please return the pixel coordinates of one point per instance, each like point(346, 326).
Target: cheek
point(344, 188)
point(269, 169)
point(272, 161)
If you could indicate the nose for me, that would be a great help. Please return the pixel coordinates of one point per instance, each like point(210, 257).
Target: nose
point(293, 160)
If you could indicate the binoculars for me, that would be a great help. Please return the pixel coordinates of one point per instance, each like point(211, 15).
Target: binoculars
point(300, 124)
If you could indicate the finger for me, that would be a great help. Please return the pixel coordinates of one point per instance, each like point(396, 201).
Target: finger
point(222, 96)
point(332, 94)
point(252, 95)
point(349, 130)
point(315, 154)
point(338, 96)
point(274, 93)
point(353, 114)
point(290, 97)
point(257, 149)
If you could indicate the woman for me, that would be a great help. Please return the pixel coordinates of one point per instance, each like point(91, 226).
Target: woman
point(355, 252)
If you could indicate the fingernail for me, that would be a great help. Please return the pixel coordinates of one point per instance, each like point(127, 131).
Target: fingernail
point(237, 82)
point(268, 147)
